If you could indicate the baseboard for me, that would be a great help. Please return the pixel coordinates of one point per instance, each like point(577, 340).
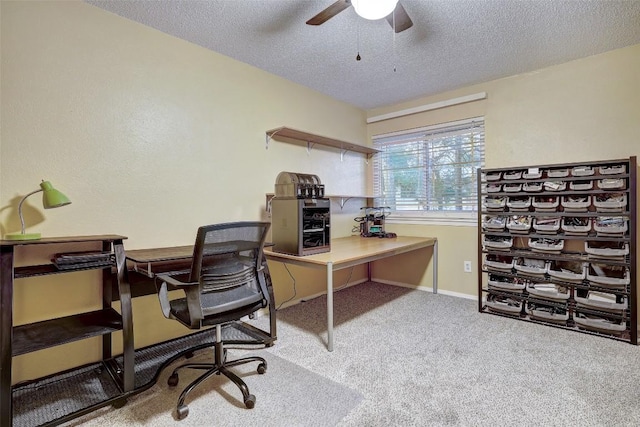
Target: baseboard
point(425, 289)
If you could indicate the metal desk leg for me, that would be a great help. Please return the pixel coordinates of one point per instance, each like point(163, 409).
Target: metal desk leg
point(330, 306)
point(435, 267)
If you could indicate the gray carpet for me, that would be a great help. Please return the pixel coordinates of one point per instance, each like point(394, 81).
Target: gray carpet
point(418, 359)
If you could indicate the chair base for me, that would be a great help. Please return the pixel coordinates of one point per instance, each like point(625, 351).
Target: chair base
point(220, 366)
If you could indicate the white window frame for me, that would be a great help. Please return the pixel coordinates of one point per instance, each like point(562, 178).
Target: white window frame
point(452, 218)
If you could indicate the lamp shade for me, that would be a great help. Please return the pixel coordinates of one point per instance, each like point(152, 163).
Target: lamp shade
point(374, 9)
point(51, 198)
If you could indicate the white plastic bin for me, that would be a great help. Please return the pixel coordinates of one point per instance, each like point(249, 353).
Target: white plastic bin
point(606, 249)
point(519, 224)
point(547, 313)
point(512, 175)
point(599, 324)
point(545, 203)
point(612, 170)
point(500, 263)
point(546, 224)
point(494, 223)
point(548, 291)
point(581, 185)
point(512, 188)
point(504, 304)
point(507, 284)
point(532, 187)
point(519, 203)
point(492, 176)
point(610, 202)
point(582, 171)
point(531, 266)
point(576, 226)
point(575, 203)
point(610, 226)
point(602, 301)
point(546, 245)
point(493, 188)
point(608, 276)
point(500, 243)
point(555, 185)
point(557, 173)
point(611, 184)
point(568, 271)
point(495, 203)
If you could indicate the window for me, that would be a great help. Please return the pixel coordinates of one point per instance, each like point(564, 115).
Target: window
point(430, 172)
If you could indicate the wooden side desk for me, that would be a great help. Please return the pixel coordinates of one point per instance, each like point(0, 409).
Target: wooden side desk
point(355, 250)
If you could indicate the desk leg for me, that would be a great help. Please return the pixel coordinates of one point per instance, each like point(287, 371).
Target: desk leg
point(6, 333)
point(330, 306)
point(435, 267)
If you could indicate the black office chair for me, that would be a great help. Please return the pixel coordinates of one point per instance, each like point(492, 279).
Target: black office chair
point(226, 283)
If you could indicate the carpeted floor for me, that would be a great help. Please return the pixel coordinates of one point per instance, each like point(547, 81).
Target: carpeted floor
point(416, 359)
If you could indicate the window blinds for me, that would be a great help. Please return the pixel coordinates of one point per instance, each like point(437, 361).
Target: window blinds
point(430, 169)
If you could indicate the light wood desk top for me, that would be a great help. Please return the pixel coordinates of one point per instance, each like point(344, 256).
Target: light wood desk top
point(353, 250)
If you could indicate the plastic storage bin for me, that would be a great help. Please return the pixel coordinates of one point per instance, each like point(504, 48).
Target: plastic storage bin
point(558, 173)
point(610, 202)
point(500, 263)
point(495, 203)
point(605, 249)
point(532, 174)
point(575, 203)
point(494, 223)
point(530, 266)
point(504, 304)
point(512, 188)
point(603, 301)
point(548, 291)
point(546, 224)
point(532, 187)
point(555, 185)
point(612, 170)
point(599, 324)
point(512, 175)
point(492, 176)
point(519, 203)
point(608, 276)
point(507, 284)
point(582, 171)
point(547, 313)
point(500, 243)
point(611, 184)
point(493, 188)
point(546, 245)
point(610, 226)
point(581, 185)
point(576, 226)
point(519, 224)
point(568, 271)
point(545, 203)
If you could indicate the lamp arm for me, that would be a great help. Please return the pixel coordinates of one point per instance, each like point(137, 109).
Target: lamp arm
point(20, 207)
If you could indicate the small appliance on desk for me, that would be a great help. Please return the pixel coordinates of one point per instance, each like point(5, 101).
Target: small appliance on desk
point(300, 215)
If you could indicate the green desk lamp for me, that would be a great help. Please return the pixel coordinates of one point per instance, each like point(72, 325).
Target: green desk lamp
point(51, 198)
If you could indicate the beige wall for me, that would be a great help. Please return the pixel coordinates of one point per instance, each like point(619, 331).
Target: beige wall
point(150, 137)
point(582, 110)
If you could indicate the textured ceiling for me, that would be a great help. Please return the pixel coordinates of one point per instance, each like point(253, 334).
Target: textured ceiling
point(452, 44)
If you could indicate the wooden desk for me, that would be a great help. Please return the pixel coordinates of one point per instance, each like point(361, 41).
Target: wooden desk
point(355, 250)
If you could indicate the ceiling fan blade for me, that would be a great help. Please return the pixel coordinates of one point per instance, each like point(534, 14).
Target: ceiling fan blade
point(402, 19)
point(329, 12)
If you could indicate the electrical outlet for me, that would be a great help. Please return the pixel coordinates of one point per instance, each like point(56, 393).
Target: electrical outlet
point(467, 266)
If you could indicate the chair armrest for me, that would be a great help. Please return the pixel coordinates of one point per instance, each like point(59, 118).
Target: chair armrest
point(163, 291)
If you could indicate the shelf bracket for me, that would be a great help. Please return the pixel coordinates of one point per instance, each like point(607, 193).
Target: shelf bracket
point(269, 137)
point(342, 153)
point(310, 146)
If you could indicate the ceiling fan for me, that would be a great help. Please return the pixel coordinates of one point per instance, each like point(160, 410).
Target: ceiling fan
point(399, 15)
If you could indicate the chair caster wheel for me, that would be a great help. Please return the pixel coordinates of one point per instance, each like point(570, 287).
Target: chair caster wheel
point(182, 411)
point(262, 368)
point(250, 401)
point(173, 380)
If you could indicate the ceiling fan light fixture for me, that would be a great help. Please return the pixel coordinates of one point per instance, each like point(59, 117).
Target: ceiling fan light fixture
point(374, 9)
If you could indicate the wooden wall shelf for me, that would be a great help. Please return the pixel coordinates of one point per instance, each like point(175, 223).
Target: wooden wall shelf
point(285, 134)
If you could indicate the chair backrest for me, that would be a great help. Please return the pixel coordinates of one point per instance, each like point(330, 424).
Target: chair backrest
point(227, 263)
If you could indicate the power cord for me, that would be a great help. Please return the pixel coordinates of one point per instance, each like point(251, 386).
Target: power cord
point(294, 287)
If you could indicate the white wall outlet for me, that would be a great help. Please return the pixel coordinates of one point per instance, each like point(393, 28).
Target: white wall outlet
point(467, 266)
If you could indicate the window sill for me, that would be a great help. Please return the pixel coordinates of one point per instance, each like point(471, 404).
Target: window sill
point(417, 219)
